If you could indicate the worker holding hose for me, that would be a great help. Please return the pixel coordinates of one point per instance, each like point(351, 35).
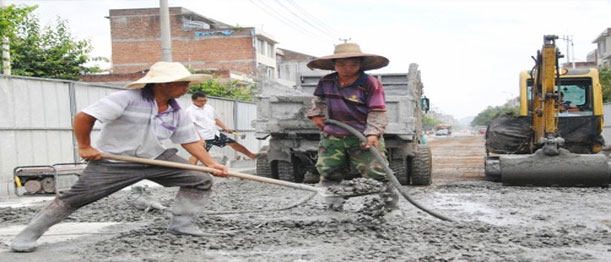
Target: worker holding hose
point(135, 122)
point(350, 96)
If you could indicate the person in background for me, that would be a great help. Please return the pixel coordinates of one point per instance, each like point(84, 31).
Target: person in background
point(205, 119)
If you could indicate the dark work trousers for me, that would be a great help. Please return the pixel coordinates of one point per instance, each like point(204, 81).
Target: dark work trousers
point(102, 178)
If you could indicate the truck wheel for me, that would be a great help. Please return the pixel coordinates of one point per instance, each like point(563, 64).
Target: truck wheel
point(421, 172)
point(283, 170)
point(263, 167)
point(399, 167)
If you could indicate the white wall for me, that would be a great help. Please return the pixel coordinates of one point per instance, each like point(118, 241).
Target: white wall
point(36, 121)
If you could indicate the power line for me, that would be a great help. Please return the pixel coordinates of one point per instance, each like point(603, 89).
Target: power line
point(283, 20)
point(305, 21)
point(288, 22)
point(316, 20)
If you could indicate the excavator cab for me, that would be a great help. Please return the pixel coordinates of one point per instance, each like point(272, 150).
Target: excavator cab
point(580, 108)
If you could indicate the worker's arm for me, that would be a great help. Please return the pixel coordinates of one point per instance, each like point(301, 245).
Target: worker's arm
point(376, 123)
point(318, 111)
point(197, 150)
point(223, 126)
point(83, 124)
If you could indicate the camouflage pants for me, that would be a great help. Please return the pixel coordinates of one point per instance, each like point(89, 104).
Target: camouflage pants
point(336, 154)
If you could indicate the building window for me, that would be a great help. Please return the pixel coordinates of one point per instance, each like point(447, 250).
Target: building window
point(261, 46)
point(270, 50)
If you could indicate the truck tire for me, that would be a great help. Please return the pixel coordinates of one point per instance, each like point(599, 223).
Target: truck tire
point(262, 166)
point(421, 167)
point(283, 170)
point(399, 167)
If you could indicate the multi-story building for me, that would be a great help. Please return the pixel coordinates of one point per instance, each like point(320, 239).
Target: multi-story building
point(197, 41)
point(603, 50)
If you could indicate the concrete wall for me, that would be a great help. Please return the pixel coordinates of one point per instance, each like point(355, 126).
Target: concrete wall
point(36, 123)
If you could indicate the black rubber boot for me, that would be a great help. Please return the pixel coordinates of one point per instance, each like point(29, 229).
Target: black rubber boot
point(332, 203)
point(52, 214)
point(187, 206)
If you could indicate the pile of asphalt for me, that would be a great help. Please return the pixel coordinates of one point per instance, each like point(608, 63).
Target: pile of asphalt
point(497, 224)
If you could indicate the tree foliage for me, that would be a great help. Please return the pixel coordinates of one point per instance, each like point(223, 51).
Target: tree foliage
point(428, 122)
point(605, 82)
point(11, 17)
point(490, 113)
point(232, 89)
point(50, 52)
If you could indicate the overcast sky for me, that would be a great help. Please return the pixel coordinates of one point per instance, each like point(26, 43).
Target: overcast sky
point(470, 52)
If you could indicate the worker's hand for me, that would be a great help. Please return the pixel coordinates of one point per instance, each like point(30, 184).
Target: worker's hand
point(222, 170)
point(371, 141)
point(227, 130)
point(318, 121)
point(89, 153)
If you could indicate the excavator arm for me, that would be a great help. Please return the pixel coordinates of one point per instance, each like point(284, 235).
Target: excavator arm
point(546, 97)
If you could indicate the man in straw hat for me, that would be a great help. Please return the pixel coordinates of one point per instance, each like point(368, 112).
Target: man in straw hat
point(350, 96)
point(135, 122)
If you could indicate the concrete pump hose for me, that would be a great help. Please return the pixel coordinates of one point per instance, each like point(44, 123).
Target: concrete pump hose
point(388, 171)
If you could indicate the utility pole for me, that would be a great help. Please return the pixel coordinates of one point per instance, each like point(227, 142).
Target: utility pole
point(6, 55)
point(569, 41)
point(166, 43)
point(345, 39)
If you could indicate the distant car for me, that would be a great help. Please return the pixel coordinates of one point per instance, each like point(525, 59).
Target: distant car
point(482, 131)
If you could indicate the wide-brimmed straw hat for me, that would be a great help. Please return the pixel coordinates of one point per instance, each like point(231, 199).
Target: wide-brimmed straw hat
point(349, 50)
point(168, 72)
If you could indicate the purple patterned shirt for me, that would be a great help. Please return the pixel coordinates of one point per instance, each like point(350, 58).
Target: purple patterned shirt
point(350, 104)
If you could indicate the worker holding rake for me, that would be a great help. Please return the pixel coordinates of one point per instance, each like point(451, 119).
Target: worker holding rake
point(135, 122)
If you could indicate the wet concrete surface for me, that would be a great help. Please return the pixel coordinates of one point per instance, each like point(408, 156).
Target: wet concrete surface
point(496, 223)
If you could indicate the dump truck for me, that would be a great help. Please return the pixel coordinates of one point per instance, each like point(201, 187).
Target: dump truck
point(555, 139)
point(443, 130)
point(294, 139)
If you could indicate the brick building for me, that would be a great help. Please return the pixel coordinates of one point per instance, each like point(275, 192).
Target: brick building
point(197, 41)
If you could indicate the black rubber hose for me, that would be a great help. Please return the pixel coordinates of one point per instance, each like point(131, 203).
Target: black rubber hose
point(388, 171)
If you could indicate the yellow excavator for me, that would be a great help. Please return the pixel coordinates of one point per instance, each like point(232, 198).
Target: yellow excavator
point(555, 139)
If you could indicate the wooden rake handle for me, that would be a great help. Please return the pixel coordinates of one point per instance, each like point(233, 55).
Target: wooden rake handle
point(209, 170)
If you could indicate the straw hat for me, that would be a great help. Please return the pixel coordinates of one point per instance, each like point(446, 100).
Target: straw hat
point(349, 50)
point(168, 72)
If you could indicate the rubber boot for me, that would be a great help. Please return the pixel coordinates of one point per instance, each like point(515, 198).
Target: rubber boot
point(185, 210)
point(332, 203)
point(311, 178)
point(391, 197)
point(52, 214)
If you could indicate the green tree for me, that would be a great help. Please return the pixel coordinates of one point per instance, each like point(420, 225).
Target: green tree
point(429, 123)
point(605, 82)
point(232, 89)
point(490, 113)
point(11, 17)
point(50, 52)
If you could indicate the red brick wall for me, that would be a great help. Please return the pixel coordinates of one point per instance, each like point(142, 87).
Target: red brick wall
point(136, 43)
